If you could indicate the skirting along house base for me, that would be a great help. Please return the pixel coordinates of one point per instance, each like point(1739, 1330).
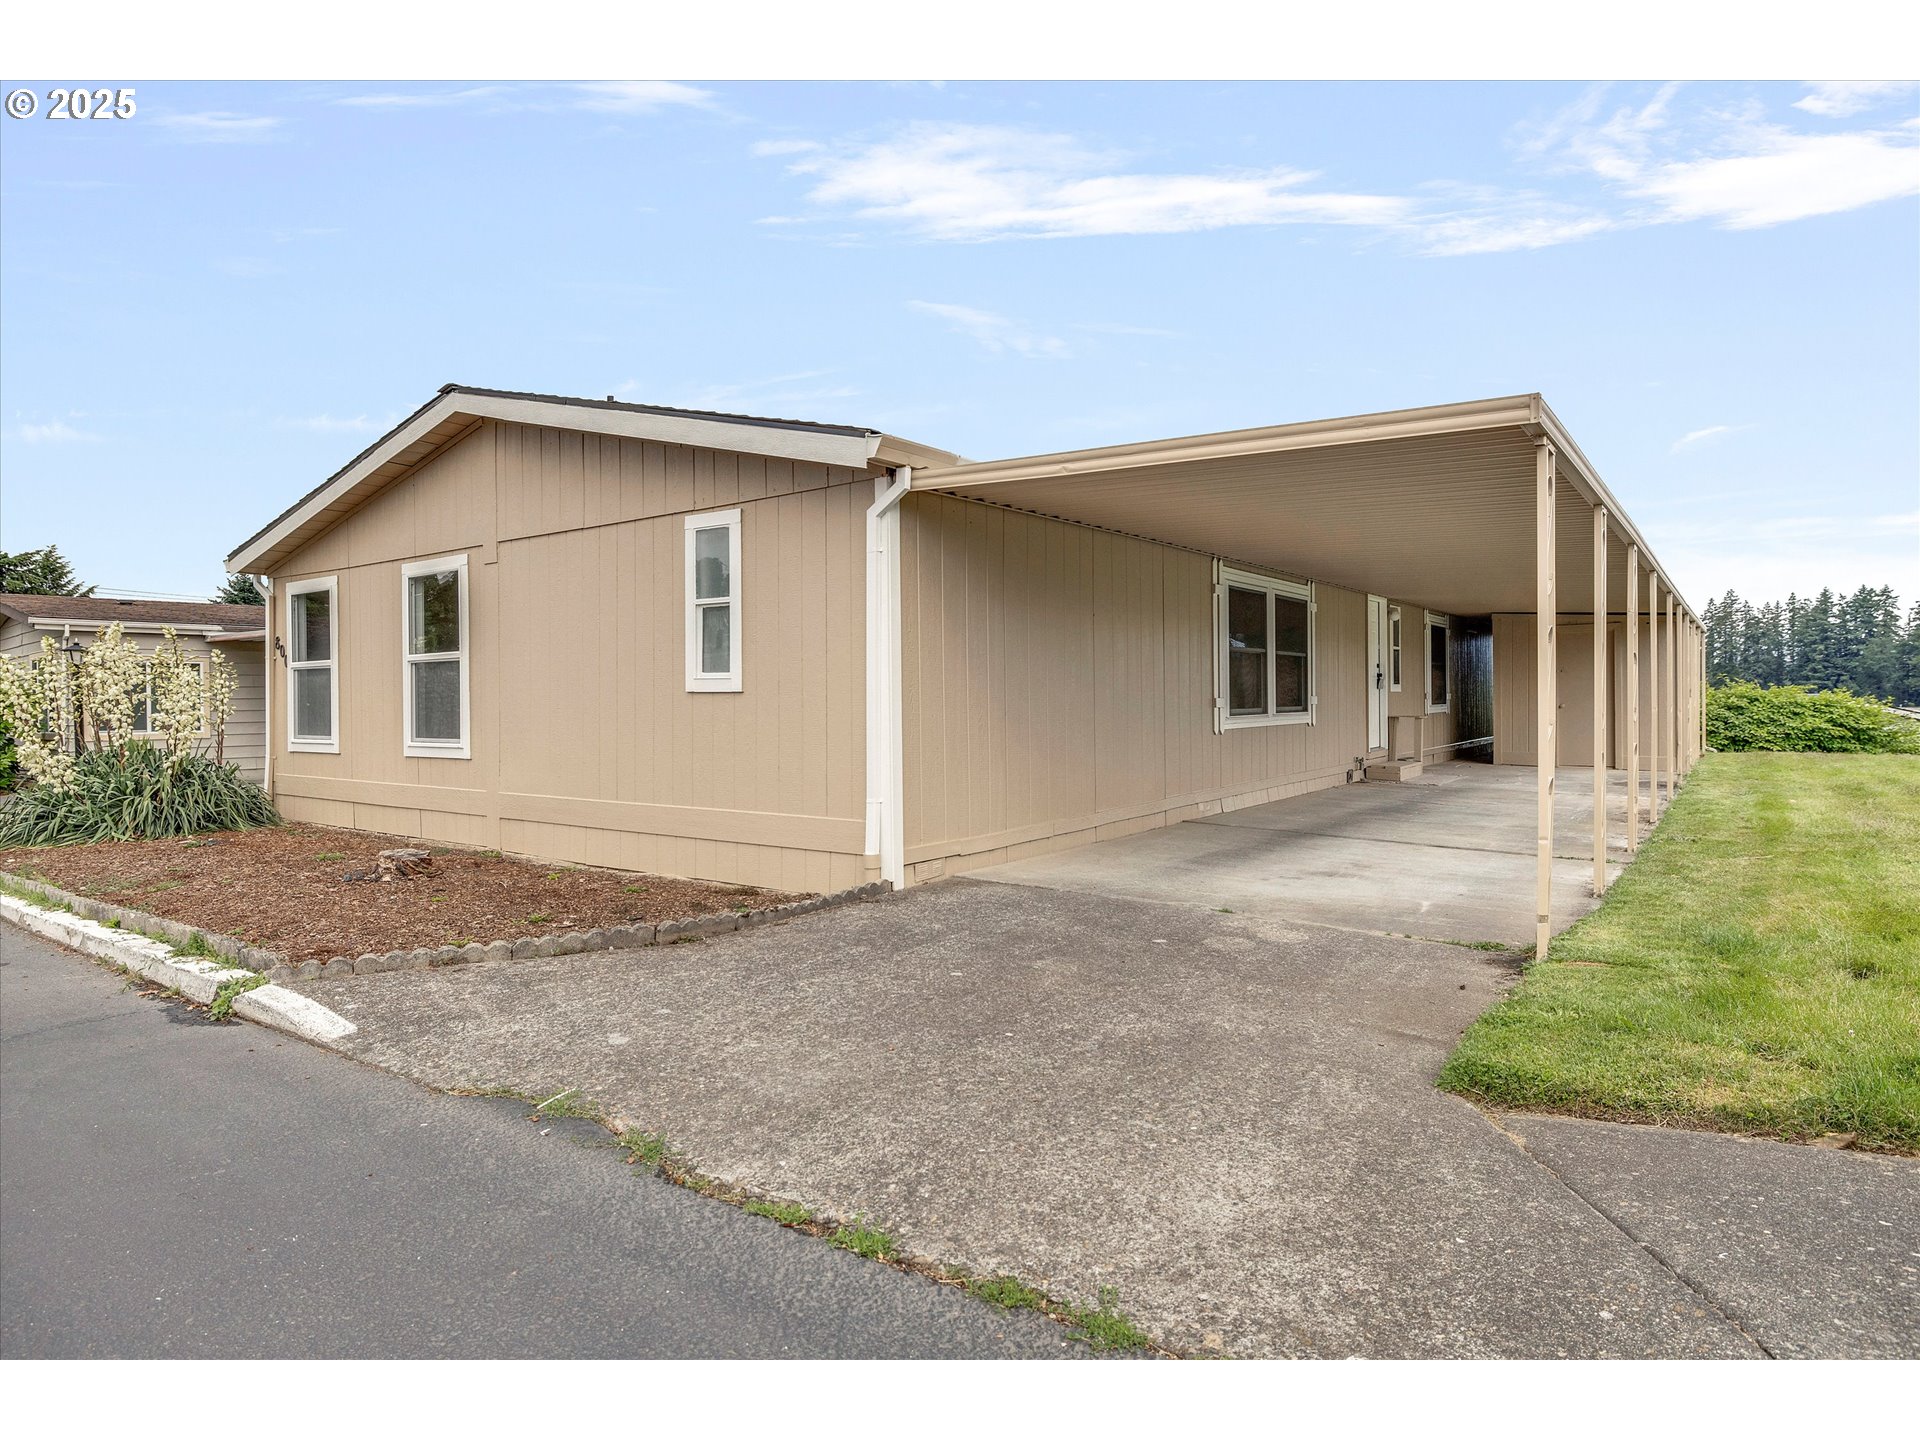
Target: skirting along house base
point(810, 656)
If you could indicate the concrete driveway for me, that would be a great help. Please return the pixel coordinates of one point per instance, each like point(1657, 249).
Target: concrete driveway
point(1447, 856)
point(1228, 1119)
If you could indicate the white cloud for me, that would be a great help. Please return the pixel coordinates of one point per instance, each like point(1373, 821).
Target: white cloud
point(218, 127)
point(246, 267)
point(334, 424)
point(1837, 98)
point(1765, 558)
point(1661, 161)
point(629, 97)
point(986, 182)
point(1700, 436)
point(421, 99)
point(1730, 166)
point(996, 334)
point(54, 432)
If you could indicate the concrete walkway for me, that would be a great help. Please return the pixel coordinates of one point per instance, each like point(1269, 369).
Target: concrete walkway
point(1448, 856)
point(1229, 1119)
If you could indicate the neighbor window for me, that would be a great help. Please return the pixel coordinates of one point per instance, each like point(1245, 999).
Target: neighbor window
point(1393, 647)
point(434, 682)
point(143, 699)
point(1439, 663)
point(713, 601)
point(313, 689)
point(1266, 650)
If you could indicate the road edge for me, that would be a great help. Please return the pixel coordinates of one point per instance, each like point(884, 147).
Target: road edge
point(200, 980)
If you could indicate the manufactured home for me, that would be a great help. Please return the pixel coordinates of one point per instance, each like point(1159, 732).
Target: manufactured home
point(811, 656)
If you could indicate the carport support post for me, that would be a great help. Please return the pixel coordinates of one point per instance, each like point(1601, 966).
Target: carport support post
point(1545, 614)
point(1600, 679)
point(1653, 699)
point(1633, 698)
point(1671, 719)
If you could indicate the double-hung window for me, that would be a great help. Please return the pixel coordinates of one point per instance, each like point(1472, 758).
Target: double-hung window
point(1439, 664)
point(313, 681)
point(1265, 650)
point(433, 613)
point(713, 600)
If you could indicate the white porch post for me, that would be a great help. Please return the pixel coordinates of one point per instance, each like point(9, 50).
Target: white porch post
point(1546, 613)
point(1601, 689)
point(1633, 698)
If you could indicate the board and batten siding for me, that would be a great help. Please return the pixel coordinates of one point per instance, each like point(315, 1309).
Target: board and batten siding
point(1058, 689)
point(586, 745)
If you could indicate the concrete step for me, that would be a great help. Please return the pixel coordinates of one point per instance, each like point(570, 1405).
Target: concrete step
point(1395, 770)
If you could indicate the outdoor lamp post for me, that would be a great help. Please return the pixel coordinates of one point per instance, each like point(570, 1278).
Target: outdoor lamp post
point(73, 650)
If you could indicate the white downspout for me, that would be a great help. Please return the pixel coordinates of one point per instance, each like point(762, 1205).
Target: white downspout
point(886, 777)
point(265, 585)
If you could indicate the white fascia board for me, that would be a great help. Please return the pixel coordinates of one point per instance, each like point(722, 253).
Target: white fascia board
point(819, 447)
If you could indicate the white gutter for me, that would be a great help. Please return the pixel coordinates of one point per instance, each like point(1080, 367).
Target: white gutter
point(130, 627)
point(265, 585)
point(886, 774)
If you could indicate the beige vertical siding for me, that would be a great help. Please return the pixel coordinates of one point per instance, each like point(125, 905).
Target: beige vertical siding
point(1513, 691)
point(1058, 687)
point(586, 745)
point(1437, 730)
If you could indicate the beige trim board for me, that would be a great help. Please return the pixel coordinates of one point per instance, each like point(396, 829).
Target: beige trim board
point(1170, 810)
point(827, 833)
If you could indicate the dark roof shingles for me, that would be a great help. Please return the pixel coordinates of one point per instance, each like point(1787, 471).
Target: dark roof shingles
point(144, 612)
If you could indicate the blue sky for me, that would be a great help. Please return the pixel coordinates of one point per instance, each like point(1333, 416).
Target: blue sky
point(207, 308)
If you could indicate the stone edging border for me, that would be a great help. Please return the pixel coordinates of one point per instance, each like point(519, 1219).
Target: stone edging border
point(572, 942)
point(279, 970)
point(155, 960)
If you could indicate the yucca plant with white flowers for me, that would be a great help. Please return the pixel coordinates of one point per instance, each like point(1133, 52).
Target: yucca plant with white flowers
point(94, 778)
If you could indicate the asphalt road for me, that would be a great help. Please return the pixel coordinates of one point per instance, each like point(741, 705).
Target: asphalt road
point(171, 1187)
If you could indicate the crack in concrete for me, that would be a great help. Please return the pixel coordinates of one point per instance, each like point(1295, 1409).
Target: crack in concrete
point(1686, 1281)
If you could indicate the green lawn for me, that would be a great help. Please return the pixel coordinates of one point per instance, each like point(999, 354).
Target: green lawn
point(1756, 969)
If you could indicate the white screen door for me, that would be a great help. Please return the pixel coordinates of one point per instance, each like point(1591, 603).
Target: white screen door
point(1376, 672)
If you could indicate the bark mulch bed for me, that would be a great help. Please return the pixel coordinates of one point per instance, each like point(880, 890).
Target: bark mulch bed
point(284, 889)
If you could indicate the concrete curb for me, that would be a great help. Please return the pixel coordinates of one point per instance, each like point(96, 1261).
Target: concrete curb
point(570, 942)
point(199, 980)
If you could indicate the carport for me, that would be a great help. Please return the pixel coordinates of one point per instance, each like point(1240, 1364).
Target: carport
point(1484, 508)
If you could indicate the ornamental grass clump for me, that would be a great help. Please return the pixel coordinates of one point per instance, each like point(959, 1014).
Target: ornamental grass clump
point(115, 743)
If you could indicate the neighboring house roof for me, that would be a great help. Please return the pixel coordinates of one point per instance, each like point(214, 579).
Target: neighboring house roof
point(456, 408)
point(93, 612)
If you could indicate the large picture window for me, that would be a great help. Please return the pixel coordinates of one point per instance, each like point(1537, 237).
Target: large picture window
point(1439, 664)
point(434, 614)
point(313, 688)
point(713, 601)
point(1266, 650)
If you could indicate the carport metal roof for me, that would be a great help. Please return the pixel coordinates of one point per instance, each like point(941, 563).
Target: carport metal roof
point(1434, 505)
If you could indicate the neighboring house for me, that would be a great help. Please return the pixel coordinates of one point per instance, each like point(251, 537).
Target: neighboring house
point(238, 630)
point(800, 655)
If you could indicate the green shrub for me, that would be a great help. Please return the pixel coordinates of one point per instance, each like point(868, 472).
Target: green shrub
point(1745, 716)
point(135, 791)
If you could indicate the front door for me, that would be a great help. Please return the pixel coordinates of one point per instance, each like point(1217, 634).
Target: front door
point(1376, 672)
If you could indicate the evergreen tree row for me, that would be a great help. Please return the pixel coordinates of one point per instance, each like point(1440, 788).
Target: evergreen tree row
point(1860, 642)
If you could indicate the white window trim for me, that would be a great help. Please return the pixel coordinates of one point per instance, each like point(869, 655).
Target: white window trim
point(330, 584)
point(461, 749)
point(1224, 719)
point(1426, 649)
point(206, 726)
point(1396, 648)
point(699, 680)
